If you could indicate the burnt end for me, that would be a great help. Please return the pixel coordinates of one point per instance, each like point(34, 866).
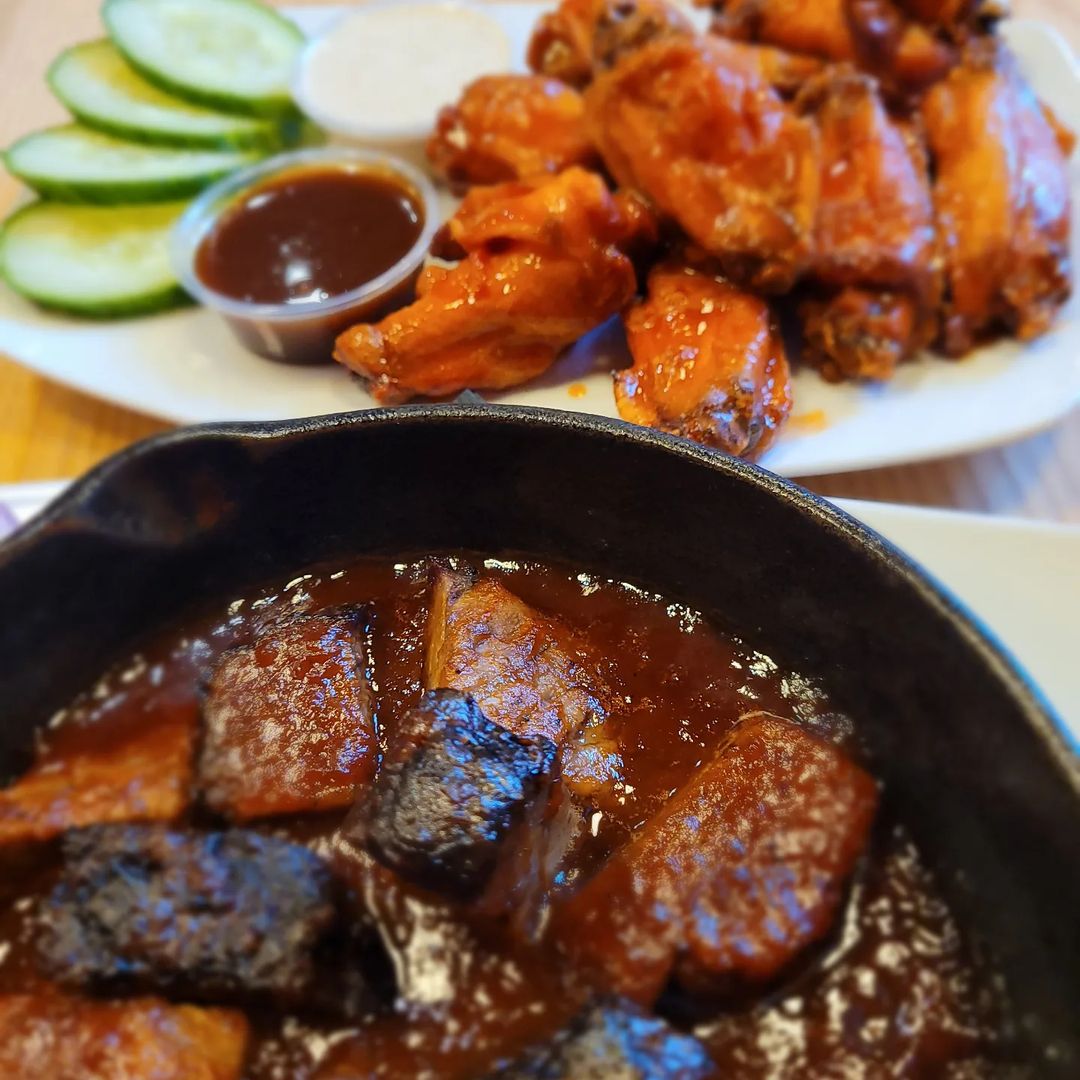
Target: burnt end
point(211, 916)
point(613, 1040)
point(289, 719)
point(452, 795)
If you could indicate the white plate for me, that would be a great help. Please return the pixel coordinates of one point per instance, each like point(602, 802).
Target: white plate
point(185, 366)
point(1034, 611)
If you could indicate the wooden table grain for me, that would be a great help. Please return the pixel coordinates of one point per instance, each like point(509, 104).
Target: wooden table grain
point(50, 432)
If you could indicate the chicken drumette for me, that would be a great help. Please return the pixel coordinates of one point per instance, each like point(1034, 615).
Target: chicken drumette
point(510, 127)
point(543, 265)
point(874, 290)
point(1001, 194)
point(695, 125)
point(907, 44)
point(709, 363)
point(581, 37)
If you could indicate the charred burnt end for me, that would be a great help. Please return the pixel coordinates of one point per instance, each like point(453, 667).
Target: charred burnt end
point(211, 916)
point(613, 1040)
point(452, 796)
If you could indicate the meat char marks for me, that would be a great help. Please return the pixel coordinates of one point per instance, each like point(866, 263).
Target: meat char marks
point(529, 672)
point(741, 870)
point(210, 915)
point(457, 795)
point(289, 719)
point(613, 1040)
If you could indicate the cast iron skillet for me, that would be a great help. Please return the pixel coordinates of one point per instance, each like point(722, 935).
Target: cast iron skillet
point(967, 749)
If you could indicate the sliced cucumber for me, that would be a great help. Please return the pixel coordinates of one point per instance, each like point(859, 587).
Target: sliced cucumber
point(74, 164)
point(104, 91)
point(101, 261)
point(230, 54)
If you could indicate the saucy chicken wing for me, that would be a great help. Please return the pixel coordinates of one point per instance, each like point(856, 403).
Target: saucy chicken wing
point(510, 127)
point(693, 124)
point(1001, 195)
point(709, 363)
point(875, 289)
point(542, 267)
point(583, 36)
point(889, 39)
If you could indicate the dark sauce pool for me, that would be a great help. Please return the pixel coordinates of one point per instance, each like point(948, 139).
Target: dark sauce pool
point(897, 991)
point(303, 238)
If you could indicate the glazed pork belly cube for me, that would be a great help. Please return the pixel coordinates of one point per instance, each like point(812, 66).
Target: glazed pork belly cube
point(462, 806)
point(529, 672)
point(290, 720)
point(615, 1040)
point(57, 1037)
point(742, 869)
point(143, 777)
point(209, 915)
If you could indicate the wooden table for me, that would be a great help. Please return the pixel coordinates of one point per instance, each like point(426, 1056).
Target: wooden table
point(49, 432)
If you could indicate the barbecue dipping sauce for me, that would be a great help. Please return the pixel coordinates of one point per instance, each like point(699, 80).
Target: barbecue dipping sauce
point(309, 235)
point(895, 992)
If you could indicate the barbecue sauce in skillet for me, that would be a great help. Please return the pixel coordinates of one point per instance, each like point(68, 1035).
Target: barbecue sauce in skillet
point(895, 991)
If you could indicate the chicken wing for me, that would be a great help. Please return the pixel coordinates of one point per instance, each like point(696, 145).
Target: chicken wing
point(881, 36)
point(693, 124)
point(510, 127)
point(875, 287)
point(709, 363)
point(1001, 196)
point(583, 36)
point(542, 267)
point(820, 28)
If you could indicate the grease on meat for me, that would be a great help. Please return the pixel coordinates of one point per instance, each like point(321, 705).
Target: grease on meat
point(709, 363)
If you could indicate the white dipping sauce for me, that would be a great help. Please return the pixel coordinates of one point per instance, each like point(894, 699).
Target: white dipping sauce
point(383, 73)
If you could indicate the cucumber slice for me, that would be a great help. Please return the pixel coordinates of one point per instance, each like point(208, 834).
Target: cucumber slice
point(102, 90)
point(74, 164)
point(101, 261)
point(230, 54)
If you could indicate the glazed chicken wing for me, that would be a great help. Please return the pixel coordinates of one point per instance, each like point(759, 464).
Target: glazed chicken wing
point(510, 127)
point(542, 267)
point(583, 36)
point(820, 28)
point(693, 124)
point(875, 288)
point(709, 363)
point(891, 40)
point(1001, 195)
